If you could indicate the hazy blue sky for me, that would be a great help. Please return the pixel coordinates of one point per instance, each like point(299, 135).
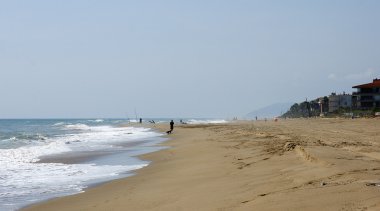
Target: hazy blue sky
point(76, 58)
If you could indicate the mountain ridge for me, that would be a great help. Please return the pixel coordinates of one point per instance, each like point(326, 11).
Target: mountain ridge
point(269, 111)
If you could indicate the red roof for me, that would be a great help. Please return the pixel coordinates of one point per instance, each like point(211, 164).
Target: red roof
point(374, 84)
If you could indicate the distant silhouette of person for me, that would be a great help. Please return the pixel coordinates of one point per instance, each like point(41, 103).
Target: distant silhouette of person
point(140, 120)
point(256, 118)
point(171, 125)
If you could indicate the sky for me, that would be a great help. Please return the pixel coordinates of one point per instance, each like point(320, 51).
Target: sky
point(199, 58)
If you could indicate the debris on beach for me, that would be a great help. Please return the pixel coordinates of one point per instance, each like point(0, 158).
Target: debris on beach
point(289, 146)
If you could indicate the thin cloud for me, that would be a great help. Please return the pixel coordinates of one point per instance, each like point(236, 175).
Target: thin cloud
point(368, 74)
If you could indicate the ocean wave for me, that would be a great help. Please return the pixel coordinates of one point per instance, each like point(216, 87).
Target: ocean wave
point(78, 126)
point(24, 178)
point(95, 138)
point(96, 120)
point(24, 138)
point(11, 139)
point(213, 121)
point(58, 124)
point(55, 178)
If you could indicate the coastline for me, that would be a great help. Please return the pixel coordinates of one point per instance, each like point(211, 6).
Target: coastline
point(287, 165)
point(148, 157)
point(117, 157)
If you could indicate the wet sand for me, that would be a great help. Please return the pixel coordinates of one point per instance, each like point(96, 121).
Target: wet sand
point(85, 156)
point(316, 164)
point(73, 158)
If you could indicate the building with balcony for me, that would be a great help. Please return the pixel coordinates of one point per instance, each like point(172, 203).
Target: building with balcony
point(367, 96)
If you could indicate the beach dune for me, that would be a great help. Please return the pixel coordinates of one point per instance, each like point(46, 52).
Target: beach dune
point(318, 164)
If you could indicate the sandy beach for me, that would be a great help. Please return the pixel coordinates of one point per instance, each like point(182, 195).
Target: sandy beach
point(303, 164)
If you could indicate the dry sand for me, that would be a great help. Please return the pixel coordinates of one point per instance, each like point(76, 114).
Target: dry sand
point(318, 164)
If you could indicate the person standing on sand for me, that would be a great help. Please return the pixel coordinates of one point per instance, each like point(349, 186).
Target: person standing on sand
point(171, 125)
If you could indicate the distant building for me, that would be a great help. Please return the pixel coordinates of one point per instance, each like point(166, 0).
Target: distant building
point(367, 96)
point(337, 101)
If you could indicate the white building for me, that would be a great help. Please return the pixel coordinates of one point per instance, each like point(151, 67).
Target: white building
point(339, 101)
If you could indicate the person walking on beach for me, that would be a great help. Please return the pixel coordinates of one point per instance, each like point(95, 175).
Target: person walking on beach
point(171, 125)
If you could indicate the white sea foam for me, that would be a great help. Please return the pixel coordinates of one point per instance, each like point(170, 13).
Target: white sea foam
point(78, 126)
point(212, 121)
point(11, 139)
point(96, 120)
point(59, 123)
point(46, 180)
point(23, 180)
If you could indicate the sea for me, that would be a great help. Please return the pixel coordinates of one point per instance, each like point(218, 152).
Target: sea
point(42, 159)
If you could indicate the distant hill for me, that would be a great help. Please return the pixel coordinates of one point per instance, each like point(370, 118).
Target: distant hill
point(269, 111)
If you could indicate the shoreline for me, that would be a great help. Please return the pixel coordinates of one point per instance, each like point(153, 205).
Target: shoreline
point(85, 156)
point(291, 164)
point(80, 157)
point(128, 154)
